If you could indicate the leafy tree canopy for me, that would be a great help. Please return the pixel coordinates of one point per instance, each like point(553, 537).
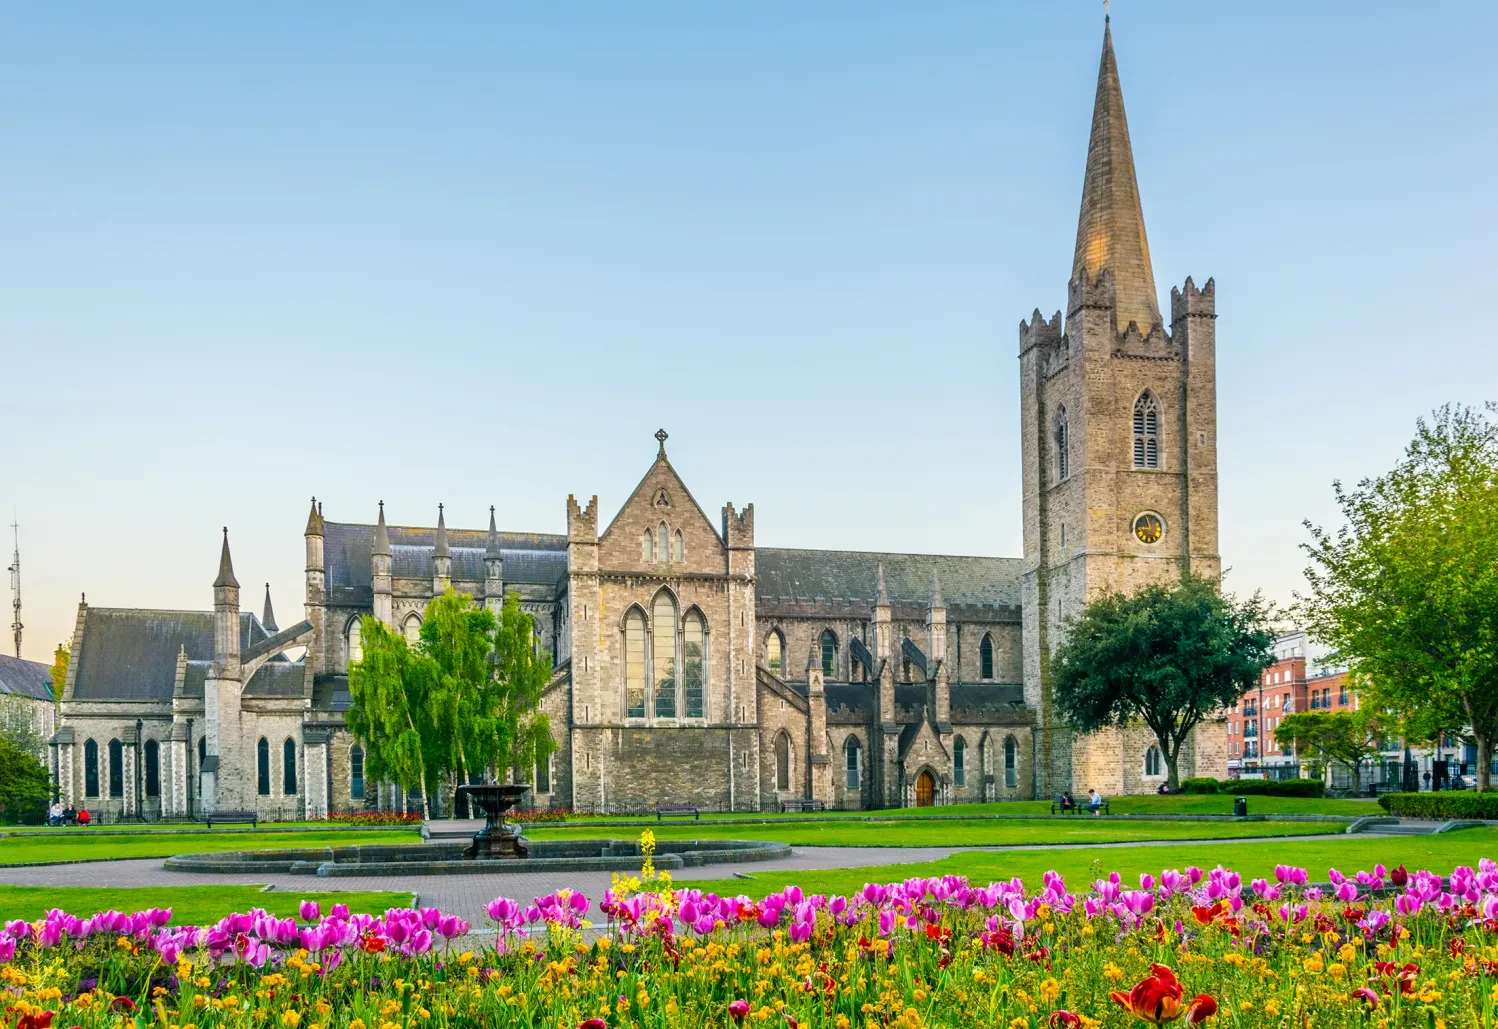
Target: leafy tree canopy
point(1166, 656)
point(1407, 589)
point(1346, 738)
point(24, 783)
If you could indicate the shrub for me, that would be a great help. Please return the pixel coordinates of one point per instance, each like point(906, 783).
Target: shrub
point(553, 814)
point(1274, 787)
point(1441, 806)
point(1202, 784)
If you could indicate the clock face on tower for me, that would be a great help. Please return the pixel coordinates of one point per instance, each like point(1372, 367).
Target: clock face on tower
point(1149, 528)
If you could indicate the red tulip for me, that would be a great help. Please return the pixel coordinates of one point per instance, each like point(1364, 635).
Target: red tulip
point(738, 1009)
point(1064, 1018)
point(592, 1023)
point(1201, 1008)
point(1156, 998)
point(1368, 996)
point(1399, 876)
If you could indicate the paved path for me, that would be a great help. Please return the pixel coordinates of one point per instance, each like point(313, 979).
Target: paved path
point(466, 895)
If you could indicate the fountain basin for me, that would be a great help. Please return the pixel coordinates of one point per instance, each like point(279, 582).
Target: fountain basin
point(448, 859)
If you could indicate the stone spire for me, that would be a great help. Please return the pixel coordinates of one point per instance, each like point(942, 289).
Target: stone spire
point(491, 549)
point(314, 521)
point(882, 597)
point(441, 549)
point(936, 598)
point(226, 565)
point(268, 619)
point(1110, 231)
point(382, 535)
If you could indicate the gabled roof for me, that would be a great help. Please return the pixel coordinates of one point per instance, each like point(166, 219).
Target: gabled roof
point(788, 575)
point(131, 654)
point(664, 463)
point(530, 557)
point(22, 678)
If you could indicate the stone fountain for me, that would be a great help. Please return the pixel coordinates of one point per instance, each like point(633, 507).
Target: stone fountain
point(497, 839)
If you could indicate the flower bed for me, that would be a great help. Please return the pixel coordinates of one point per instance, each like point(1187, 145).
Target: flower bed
point(375, 818)
point(1380, 948)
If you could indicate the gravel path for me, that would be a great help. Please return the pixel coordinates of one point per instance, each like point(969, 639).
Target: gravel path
point(466, 895)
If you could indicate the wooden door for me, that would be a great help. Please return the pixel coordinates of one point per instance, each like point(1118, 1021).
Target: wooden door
point(925, 790)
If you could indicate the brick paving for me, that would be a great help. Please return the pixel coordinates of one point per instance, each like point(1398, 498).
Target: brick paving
point(466, 895)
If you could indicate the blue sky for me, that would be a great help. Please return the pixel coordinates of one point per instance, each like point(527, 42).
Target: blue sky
point(478, 255)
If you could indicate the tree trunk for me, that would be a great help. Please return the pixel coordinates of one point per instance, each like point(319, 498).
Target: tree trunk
point(1172, 755)
point(1355, 769)
point(1484, 763)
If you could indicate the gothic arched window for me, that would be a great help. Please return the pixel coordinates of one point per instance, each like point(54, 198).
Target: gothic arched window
point(829, 654)
point(693, 656)
point(355, 651)
point(411, 628)
point(1011, 762)
point(1146, 431)
point(288, 767)
point(663, 653)
point(959, 762)
point(90, 769)
point(356, 773)
point(647, 546)
point(775, 652)
point(262, 767)
point(985, 657)
point(678, 548)
point(634, 663)
point(782, 761)
point(1063, 442)
point(1152, 761)
point(663, 543)
point(116, 769)
point(153, 768)
point(850, 751)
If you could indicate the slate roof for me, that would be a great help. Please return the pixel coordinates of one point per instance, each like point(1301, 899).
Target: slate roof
point(803, 575)
point(131, 654)
point(277, 680)
point(22, 678)
point(330, 693)
point(530, 557)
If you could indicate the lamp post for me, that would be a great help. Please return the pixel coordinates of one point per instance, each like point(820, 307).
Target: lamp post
point(140, 815)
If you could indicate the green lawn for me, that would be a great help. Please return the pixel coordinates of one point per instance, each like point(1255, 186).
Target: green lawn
point(1079, 865)
point(80, 844)
point(1208, 804)
point(191, 905)
point(906, 832)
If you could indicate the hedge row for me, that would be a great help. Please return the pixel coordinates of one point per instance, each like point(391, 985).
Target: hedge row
point(1441, 806)
point(1256, 787)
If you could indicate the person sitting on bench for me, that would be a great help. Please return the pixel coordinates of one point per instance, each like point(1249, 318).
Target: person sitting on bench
point(1094, 802)
point(1068, 802)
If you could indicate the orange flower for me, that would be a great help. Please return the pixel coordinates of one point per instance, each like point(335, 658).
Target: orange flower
point(1158, 998)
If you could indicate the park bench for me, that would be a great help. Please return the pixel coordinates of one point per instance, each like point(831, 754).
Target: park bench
point(1078, 804)
point(662, 810)
point(233, 818)
point(802, 804)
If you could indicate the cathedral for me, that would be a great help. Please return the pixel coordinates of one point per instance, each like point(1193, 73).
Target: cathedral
point(692, 666)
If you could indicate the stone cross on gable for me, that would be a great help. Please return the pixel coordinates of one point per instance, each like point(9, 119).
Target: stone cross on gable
point(661, 437)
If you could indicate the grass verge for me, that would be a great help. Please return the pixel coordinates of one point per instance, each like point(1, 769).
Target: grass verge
point(905, 832)
point(85, 844)
point(1438, 853)
point(191, 905)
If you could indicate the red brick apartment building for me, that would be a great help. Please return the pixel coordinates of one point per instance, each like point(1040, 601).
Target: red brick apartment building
point(1284, 690)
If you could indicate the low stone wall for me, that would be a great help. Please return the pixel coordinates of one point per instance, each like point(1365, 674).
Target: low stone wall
point(447, 859)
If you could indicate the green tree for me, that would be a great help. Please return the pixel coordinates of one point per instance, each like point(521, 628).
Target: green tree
point(60, 658)
point(1167, 657)
point(1346, 738)
point(389, 688)
point(457, 642)
point(24, 783)
point(1407, 589)
point(522, 671)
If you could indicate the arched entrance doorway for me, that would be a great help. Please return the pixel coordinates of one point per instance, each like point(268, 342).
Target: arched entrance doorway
point(925, 790)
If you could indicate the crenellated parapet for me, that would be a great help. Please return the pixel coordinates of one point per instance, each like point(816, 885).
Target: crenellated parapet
point(738, 527)
point(582, 523)
point(1190, 302)
point(1037, 332)
point(1088, 291)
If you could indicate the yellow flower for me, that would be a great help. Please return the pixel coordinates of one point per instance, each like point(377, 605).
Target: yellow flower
point(1271, 1007)
point(1050, 989)
point(291, 1019)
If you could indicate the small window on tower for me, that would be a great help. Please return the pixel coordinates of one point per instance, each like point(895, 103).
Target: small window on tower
point(1063, 454)
point(1146, 431)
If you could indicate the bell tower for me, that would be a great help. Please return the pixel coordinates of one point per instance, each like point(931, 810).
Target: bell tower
point(1119, 437)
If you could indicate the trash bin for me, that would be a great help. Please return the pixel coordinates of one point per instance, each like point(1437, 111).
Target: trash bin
point(1240, 807)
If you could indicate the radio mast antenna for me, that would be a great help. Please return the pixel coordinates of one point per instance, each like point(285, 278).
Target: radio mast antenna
point(15, 586)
